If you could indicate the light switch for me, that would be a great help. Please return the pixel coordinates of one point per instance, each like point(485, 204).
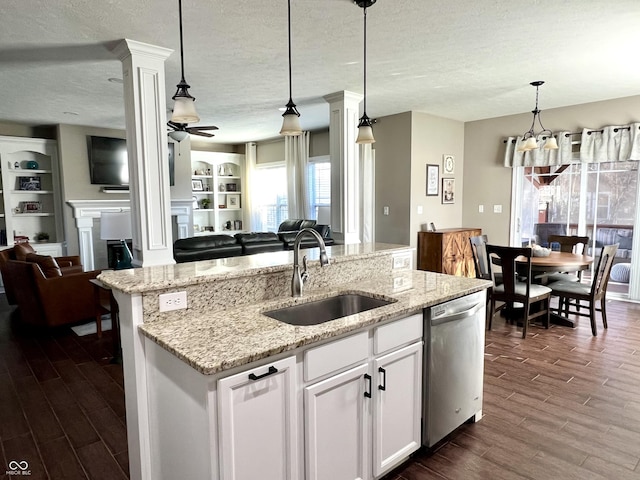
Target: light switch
point(385, 210)
point(419, 209)
point(480, 208)
point(497, 209)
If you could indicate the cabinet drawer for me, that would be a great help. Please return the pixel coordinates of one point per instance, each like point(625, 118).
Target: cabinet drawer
point(398, 333)
point(336, 355)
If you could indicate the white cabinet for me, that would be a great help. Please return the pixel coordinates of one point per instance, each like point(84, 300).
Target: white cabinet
point(258, 423)
point(337, 426)
point(362, 422)
point(397, 407)
point(30, 190)
point(217, 189)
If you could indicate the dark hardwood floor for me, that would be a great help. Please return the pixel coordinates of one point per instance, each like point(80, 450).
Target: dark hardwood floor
point(559, 405)
point(61, 404)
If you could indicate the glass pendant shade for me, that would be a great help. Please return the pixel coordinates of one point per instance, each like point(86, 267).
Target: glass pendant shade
point(552, 144)
point(184, 110)
point(290, 124)
point(178, 135)
point(365, 134)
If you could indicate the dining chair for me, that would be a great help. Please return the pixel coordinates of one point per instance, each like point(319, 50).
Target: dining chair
point(568, 244)
point(481, 264)
point(513, 291)
point(597, 291)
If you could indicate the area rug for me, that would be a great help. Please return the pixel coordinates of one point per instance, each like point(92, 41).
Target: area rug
point(90, 327)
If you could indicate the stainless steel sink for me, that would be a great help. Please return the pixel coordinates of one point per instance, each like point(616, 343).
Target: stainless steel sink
point(320, 311)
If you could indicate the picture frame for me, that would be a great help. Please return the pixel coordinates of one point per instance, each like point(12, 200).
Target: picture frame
point(29, 183)
point(197, 185)
point(31, 207)
point(448, 190)
point(448, 164)
point(233, 201)
point(433, 174)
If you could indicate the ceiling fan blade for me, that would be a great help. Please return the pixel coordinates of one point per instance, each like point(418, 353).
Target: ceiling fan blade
point(202, 134)
point(176, 126)
point(196, 128)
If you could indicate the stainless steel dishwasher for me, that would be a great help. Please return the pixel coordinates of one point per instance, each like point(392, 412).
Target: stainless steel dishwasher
point(454, 365)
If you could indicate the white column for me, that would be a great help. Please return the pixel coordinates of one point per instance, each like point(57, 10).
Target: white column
point(367, 187)
point(85, 242)
point(145, 112)
point(345, 165)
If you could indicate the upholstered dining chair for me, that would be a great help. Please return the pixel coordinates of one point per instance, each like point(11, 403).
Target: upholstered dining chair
point(569, 244)
point(597, 291)
point(514, 292)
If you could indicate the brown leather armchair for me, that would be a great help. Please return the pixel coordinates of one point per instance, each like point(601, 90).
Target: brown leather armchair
point(51, 301)
point(67, 264)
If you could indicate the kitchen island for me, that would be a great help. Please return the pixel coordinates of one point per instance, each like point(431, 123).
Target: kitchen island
point(182, 367)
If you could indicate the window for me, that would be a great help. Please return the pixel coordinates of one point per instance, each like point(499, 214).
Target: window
point(319, 183)
point(269, 197)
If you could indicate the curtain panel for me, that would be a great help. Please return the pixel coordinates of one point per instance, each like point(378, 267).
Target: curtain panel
point(614, 143)
point(296, 156)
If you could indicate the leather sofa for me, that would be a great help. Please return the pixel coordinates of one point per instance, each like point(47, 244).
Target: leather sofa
point(66, 264)
point(205, 248)
point(209, 247)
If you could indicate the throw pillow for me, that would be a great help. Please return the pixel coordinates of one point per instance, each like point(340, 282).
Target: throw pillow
point(47, 264)
point(624, 242)
point(22, 250)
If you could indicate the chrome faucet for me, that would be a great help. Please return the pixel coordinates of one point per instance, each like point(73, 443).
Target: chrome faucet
point(299, 279)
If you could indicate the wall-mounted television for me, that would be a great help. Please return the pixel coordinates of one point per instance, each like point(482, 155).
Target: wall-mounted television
point(108, 164)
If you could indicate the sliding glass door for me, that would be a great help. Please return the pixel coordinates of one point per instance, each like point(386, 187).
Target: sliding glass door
point(598, 200)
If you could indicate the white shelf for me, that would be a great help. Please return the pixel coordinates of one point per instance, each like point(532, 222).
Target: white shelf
point(195, 210)
point(227, 209)
point(201, 176)
point(26, 172)
point(229, 193)
point(35, 214)
point(202, 192)
point(37, 192)
point(223, 177)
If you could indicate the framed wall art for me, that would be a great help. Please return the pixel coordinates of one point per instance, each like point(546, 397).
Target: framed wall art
point(29, 183)
point(448, 164)
point(433, 172)
point(31, 207)
point(196, 185)
point(233, 201)
point(448, 190)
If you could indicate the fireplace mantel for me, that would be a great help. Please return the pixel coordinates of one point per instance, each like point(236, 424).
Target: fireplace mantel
point(85, 211)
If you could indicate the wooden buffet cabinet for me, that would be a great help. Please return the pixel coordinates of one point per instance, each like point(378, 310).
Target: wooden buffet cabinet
point(447, 251)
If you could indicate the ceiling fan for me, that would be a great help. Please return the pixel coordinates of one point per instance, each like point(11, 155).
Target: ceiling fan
point(179, 131)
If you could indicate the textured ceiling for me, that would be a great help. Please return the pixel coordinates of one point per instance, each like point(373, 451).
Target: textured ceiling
point(459, 59)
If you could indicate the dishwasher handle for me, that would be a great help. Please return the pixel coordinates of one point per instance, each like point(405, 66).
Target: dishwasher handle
point(457, 316)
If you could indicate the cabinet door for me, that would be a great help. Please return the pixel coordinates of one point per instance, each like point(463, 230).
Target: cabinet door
point(336, 426)
point(397, 406)
point(257, 418)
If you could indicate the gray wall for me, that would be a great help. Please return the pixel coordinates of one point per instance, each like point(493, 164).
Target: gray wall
point(405, 144)
point(488, 183)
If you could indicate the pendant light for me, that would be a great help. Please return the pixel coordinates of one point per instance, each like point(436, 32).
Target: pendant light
point(529, 138)
point(365, 132)
point(291, 116)
point(184, 110)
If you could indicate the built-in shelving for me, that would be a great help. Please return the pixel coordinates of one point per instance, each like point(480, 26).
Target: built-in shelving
point(220, 175)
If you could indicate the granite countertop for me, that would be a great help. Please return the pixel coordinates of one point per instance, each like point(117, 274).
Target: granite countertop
point(140, 280)
point(233, 337)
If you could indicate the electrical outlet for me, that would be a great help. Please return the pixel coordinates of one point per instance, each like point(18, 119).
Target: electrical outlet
point(172, 301)
point(385, 210)
point(497, 209)
point(419, 209)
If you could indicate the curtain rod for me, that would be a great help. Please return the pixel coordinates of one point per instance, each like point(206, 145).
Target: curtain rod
point(616, 130)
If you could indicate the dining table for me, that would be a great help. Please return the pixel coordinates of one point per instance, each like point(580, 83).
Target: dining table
point(559, 262)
